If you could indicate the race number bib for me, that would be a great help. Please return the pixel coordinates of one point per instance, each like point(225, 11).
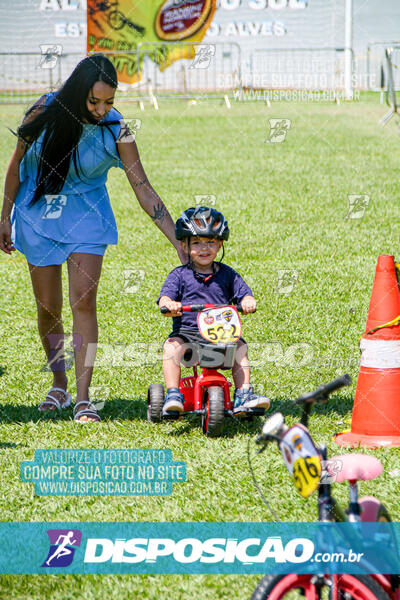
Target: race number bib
point(220, 325)
point(301, 459)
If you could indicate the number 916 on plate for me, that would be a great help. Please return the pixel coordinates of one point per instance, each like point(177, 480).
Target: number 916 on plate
point(301, 459)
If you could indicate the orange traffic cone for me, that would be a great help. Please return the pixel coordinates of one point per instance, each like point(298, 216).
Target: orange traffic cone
point(376, 410)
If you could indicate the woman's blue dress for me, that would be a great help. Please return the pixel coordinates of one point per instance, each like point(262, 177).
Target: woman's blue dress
point(79, 218)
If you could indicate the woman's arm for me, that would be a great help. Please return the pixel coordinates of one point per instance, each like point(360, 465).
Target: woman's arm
point(11, 184)
point(146, 195)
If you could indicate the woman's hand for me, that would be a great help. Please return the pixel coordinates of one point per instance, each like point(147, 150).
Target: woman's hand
point(248, 305)
point(5, 236)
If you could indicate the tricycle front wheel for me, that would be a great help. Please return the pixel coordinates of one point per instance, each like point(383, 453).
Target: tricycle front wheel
point(213, 415)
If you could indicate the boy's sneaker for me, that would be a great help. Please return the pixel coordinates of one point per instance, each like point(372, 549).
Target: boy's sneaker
point(173, 401)
point(245, 399)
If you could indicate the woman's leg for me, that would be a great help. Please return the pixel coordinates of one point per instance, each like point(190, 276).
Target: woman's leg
point(84, 273)
point(47, 287)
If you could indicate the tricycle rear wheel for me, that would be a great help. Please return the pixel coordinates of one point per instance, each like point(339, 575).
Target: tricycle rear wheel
point(213, 415)
point(155, 402)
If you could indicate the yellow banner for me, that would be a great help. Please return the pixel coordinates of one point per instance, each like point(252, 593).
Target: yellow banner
point(120, 25)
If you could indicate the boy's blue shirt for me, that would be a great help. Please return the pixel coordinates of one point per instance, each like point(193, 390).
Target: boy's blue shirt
point(224, 287)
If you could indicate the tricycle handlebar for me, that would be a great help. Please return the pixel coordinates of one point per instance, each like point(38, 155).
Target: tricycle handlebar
point(198, 307)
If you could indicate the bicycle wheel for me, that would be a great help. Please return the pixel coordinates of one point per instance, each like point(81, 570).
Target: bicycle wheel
point(292, 587)
point(358, 587)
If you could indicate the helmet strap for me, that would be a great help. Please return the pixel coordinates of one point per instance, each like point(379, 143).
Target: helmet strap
point(223, 252)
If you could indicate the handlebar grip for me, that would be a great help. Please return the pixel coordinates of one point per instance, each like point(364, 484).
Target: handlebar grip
point(336, 384)
point(185, 308)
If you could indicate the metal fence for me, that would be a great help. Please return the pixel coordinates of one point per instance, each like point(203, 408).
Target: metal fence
point(206, 70)
point(296, 69)
point(202, 70)
point(211, 69)
point(24, 76)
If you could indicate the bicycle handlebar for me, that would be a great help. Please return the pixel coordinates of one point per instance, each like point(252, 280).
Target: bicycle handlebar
point(274, 427)
point(324, 391)
point(199, 307)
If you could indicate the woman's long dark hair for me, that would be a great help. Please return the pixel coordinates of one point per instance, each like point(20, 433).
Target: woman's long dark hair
point(62, 120)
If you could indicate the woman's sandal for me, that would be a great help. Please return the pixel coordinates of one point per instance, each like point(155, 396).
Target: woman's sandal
point(90, 411)
point(53, 401)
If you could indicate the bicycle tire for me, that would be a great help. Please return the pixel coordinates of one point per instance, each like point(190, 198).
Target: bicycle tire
point(356, 587)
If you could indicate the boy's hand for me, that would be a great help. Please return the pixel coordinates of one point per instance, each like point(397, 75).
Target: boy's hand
point(174, 308)
point(249, 305)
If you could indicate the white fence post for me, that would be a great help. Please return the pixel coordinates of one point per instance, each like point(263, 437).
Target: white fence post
point(348, 51)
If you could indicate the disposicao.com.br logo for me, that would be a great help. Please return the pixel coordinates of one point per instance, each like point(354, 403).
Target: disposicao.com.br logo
point(203, 548)
point(192, 550)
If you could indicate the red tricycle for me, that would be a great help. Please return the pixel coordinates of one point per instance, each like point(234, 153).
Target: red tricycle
point(206, 394)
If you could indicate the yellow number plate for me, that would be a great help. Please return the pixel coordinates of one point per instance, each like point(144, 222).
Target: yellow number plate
point(302, 459)
point(306, 475)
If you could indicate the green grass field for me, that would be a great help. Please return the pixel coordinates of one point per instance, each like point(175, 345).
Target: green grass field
point(286, 204)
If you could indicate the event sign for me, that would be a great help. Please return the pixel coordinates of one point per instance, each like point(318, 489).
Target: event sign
point(122, 25)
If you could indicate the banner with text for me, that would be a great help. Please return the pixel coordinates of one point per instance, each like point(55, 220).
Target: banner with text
point(203, 548)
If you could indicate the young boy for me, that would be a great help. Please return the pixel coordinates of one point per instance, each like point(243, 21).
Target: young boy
point(202, 231)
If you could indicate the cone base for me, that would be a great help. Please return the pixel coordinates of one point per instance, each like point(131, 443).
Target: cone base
point(354, 440)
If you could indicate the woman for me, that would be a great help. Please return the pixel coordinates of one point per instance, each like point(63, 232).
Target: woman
point(56, 199)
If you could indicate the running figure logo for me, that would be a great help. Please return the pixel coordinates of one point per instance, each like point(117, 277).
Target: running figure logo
point(287, 279)
point(129, 129)
point(50, 54)
point(62, 542)
point(54, 206)
point(203, 57)
point(358, 204)
point(278, 130)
